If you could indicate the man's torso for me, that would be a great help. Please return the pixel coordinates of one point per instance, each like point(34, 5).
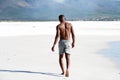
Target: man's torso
point(65, 30)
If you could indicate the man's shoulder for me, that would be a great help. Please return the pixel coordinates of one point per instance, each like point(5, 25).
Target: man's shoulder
point(69, 24)
point(58, 26)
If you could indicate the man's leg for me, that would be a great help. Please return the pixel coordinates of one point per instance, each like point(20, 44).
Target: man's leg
point(61, 63)
point(67, 56)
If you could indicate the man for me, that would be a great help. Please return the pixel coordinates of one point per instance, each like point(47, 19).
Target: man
point(63, 31)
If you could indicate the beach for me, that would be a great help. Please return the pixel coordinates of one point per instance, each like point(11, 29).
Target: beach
point(25, 51)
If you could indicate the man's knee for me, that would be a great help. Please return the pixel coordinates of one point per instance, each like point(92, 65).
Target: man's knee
point(60, 57)
point(67, 56)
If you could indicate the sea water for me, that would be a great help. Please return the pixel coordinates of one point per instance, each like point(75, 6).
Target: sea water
point(113, 51)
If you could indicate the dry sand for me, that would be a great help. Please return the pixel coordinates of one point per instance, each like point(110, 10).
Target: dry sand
point(31, 58)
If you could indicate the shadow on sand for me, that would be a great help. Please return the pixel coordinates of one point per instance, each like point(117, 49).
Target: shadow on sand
point(32, 72)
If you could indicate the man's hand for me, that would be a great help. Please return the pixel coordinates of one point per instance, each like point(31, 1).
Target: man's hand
point(73, 45)
point(53, 48)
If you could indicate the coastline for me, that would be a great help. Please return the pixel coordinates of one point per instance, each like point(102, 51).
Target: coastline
point(112, 51)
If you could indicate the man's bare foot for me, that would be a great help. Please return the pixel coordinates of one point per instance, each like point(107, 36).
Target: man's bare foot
point(67, 73)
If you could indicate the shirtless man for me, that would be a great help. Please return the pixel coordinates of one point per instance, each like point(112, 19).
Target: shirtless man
point(63, 31)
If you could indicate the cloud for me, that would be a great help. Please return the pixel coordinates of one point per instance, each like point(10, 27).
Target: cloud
point(13, 3)
point(59, 1)
point(20, 3)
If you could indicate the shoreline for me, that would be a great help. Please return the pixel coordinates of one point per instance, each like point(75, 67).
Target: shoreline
point(110, 50)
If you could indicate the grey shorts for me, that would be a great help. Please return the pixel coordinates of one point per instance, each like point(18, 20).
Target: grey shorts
point(65, 46)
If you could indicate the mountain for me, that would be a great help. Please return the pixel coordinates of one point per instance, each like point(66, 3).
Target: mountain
point(43, 10)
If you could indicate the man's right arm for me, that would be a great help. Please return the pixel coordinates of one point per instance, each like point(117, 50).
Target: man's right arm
point(56, 37)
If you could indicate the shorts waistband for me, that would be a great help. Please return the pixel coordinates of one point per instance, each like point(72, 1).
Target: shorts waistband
point(64, 40)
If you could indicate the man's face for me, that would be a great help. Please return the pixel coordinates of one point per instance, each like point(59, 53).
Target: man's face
point(63, 19)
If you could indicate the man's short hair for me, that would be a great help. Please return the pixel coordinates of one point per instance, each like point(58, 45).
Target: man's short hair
point(61, 16)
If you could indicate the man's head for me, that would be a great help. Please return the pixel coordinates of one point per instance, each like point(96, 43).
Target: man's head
point(62, 18)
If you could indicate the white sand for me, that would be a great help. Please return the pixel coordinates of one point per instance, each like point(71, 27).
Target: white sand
point(38, 28)
point(25, 53)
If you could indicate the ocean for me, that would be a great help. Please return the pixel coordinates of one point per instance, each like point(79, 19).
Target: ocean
point(113, 51)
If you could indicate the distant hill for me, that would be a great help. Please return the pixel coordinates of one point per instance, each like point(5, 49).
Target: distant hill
point(47, 10)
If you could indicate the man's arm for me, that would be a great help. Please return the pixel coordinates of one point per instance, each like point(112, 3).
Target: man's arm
point(73, 36)
point(56, 37)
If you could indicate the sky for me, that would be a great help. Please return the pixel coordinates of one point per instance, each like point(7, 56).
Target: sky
point(50, 9)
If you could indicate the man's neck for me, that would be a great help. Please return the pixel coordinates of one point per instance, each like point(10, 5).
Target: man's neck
point(63, 22)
